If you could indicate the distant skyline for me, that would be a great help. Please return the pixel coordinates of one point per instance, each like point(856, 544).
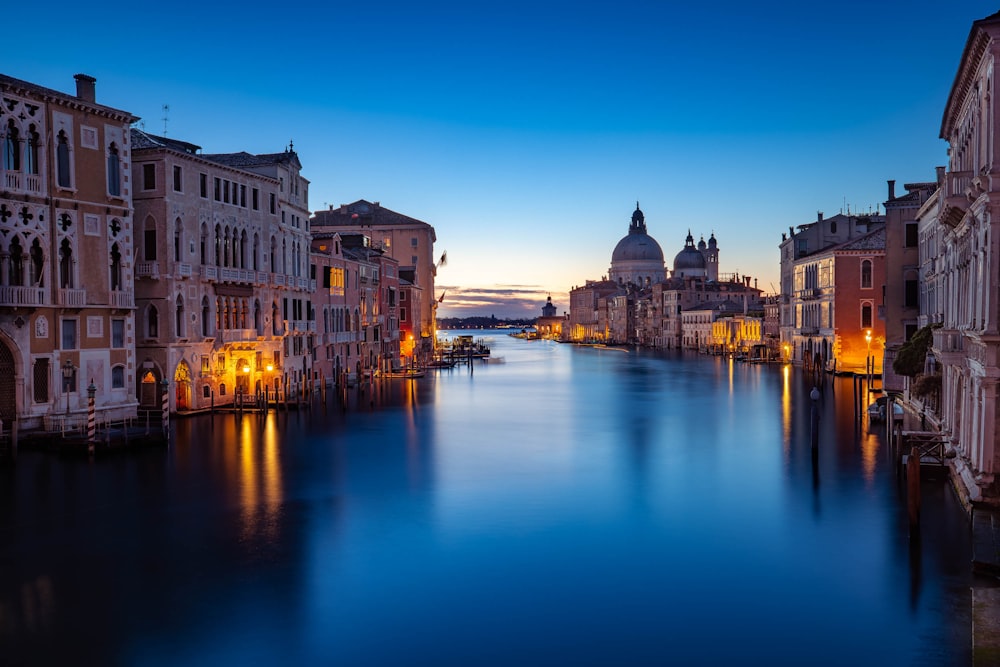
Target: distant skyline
point(526, 132)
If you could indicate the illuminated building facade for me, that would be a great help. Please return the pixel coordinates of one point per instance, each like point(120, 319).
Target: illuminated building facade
point(222, 274)
point(66, 247)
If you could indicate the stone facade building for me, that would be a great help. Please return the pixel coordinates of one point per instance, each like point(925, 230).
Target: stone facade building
point(407, 240)
point(66, 247)
point(967, 265)
point(222, 282)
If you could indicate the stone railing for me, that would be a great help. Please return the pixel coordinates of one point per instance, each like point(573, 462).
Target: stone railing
point(73, 298)
point(14, 295)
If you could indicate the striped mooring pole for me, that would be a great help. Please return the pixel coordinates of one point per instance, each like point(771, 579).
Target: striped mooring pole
point(91, 417)
point(165, 407)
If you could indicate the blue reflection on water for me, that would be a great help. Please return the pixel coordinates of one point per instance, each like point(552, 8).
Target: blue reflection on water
point(570, 506)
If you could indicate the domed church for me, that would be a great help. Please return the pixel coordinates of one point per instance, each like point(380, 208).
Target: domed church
point(700, 262)
point(637, 258)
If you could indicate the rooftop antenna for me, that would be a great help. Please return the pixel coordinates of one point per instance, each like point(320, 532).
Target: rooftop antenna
point(166, 114)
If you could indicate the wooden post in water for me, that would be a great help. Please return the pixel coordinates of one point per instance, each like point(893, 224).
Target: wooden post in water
point(913, 489)
point(814, 418)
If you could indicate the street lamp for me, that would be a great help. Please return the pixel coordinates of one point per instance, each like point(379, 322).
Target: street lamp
point(67, 373)
point(868, 359)
point(788, 358)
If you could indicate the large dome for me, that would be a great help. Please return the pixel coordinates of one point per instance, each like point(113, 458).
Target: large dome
point(638, 258)
point(637, 246)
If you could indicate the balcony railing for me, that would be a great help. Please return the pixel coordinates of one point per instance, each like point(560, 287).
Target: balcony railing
point(122, 300)
point(948, 340)
point(238, 335)
point(13, 295)
point(302, 325)
point(809, 293)
point(237, 275)
point(73, 298)
point(147, 270)
point(182, 270)
point(209, 272)
point(957, 193)
point(15, 180)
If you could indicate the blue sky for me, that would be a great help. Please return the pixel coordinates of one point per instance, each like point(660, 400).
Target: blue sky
point(526, 131)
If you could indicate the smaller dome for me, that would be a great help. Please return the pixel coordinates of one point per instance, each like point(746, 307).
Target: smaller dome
point(689, 258)
point(701, 243)
point(712, 243)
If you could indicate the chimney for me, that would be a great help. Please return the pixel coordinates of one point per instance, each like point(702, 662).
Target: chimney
point(892, 189)
point(819, 216)
point(940, 175)
point(85, 87)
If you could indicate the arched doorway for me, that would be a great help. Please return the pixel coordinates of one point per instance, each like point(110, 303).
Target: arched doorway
point(182, 386)
point(8, 395)
point(148, 397)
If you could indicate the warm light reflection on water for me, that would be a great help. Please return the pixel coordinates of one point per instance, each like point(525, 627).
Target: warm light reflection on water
point(786, 410)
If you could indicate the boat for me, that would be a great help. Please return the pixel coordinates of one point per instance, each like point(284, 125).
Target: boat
point(494, 360)
point(440, 363)
point(876, 411)
point(406, 373)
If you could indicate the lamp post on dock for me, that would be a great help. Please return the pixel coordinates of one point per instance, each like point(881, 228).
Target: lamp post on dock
point(868, 358)
point(67, 373)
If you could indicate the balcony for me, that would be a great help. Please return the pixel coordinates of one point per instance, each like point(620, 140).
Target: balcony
point(237, 275)
point(122, 300)
point(238, 335)
point(809, 293)
point(30, 183)
point(182, 270)
point(301, 325)
point(147, 270)
point(958, 194)
point(209, 272)
point(948, 340)
point(13, 295)
point(73, 298)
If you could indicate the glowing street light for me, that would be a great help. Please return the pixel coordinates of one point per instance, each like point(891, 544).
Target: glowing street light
point(67, 373)
point(868, 360)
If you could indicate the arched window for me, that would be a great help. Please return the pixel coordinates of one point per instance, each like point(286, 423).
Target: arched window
point(274, 253)
point(866, 274)
point(62, 160)
point(37, 263)
point(65, 265)
point(225, 248)
point(15, 274)
point(256, 318)
point(243, 249)
point(204, 242)
point(118, 377)
point(275, 329)
point(866, 315)
point(218, 246)
point(12, 147)
point(205, 316)
point(152, 322)
point(256, 253)
point(218, 313)
point(244, 314)
point(177, 239)
point(179, 318)
point(114, 171)
point(116, 268)
point(32, 153)
point(149, 239)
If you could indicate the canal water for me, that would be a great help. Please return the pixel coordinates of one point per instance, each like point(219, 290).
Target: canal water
point(570, 506)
